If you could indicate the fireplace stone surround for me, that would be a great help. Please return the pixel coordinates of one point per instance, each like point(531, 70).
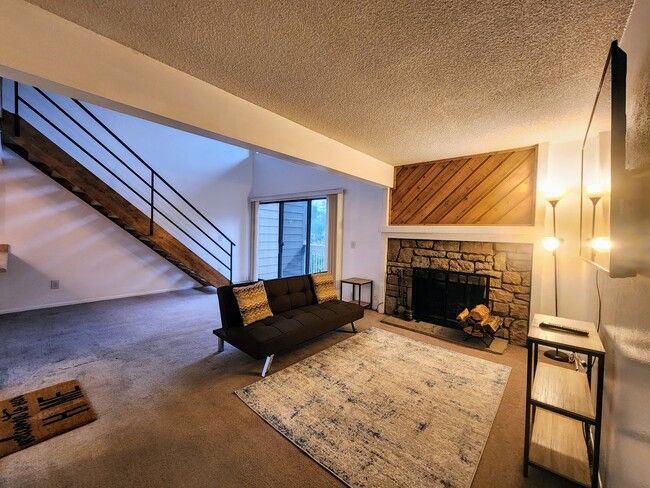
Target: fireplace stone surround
point(509, 266)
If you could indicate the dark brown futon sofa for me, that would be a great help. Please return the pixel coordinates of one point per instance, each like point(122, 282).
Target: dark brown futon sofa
point(297, 317)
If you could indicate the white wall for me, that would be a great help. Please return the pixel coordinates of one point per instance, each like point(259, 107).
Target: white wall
point(93, 258)
point(626, 303)
point(364, 210)
point(55, 236)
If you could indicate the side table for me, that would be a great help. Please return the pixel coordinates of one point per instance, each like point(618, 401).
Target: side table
point(562, 422)
point(357, 283)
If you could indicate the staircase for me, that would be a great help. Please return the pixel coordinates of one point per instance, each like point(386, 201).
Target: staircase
point(46, 156)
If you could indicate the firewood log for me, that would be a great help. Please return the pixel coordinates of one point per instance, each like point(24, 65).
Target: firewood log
point(481, 314)
point(493, 324)
point(462, 315)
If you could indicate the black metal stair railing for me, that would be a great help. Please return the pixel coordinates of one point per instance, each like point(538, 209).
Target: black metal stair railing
point(153, 183)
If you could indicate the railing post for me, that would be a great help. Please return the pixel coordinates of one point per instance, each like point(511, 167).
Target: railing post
point(16, 118)
point(230, 277)
point(153, 176)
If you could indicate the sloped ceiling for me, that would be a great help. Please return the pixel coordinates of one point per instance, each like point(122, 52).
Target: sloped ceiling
point(401, 80)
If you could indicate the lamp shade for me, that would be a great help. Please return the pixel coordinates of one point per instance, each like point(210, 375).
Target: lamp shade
point(596, 190)
point(550, 243)
point(601, 244)
point(553, 193)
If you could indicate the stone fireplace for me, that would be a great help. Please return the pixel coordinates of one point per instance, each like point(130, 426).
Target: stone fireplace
point(508, 265)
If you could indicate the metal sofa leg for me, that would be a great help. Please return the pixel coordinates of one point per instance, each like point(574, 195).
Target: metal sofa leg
point(267, 365)
point(219, 344)
point(353, 329)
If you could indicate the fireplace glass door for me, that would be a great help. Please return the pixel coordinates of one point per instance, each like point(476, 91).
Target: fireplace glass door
point(439, 296)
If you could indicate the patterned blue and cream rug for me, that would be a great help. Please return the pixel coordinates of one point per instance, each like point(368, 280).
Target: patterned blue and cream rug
point(380, 409)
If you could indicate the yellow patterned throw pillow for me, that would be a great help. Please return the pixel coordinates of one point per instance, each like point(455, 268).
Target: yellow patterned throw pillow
point(324, 287)
point(253, 302)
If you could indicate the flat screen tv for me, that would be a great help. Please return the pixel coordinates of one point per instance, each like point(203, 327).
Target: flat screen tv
point(606, 201)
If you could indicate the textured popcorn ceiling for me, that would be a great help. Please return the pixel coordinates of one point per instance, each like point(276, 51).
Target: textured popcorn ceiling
point(401, 80)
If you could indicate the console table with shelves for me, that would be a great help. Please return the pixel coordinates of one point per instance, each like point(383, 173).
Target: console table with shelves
point(560, 410)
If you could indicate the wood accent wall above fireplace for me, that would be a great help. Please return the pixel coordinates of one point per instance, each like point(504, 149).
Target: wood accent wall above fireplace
point(494, 188)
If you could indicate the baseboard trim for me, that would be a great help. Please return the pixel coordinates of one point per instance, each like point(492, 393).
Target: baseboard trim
point(98, 299)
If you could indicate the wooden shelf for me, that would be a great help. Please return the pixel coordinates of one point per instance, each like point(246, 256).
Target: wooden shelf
point(357, 281)
point(564, 389)
point(558, 445)
point(363, 304)
point(566, 340)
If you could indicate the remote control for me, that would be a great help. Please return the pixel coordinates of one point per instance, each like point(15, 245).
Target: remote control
point(564, 328)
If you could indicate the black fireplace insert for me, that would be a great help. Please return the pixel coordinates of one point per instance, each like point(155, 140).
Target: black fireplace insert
point(439, 295)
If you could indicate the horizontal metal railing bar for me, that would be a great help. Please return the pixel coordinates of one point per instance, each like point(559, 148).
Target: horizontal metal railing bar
point(83, 149)
point(117, 138)
point(123, 182)
point(189, 220)
point(63, 111)
point(195, 209)
point(191, 237)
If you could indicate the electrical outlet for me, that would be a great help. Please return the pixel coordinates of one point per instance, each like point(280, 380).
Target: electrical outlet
point(353, 244)
point(54, 285)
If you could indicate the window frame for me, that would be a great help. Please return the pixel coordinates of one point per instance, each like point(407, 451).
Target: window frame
point(334, 249)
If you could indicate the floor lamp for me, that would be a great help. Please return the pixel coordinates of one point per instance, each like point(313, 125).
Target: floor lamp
point(552, 244)
point(598, 244)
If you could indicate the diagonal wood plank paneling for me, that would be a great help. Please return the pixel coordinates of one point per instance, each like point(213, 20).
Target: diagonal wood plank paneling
point(487, 189)
point(414, 195)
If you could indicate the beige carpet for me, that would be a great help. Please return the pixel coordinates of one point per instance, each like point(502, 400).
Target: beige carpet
point(380, 409)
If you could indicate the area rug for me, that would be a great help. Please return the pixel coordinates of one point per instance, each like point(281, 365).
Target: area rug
point(449, 334)
point(380, 409)
point(33, 417)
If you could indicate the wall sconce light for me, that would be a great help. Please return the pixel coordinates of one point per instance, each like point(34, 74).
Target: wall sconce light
point(551, 244)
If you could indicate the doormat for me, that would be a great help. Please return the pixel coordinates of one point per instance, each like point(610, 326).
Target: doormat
point(498, 345)
point(33, 417)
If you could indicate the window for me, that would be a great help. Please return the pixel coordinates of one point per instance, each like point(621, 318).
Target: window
point(292, 238)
